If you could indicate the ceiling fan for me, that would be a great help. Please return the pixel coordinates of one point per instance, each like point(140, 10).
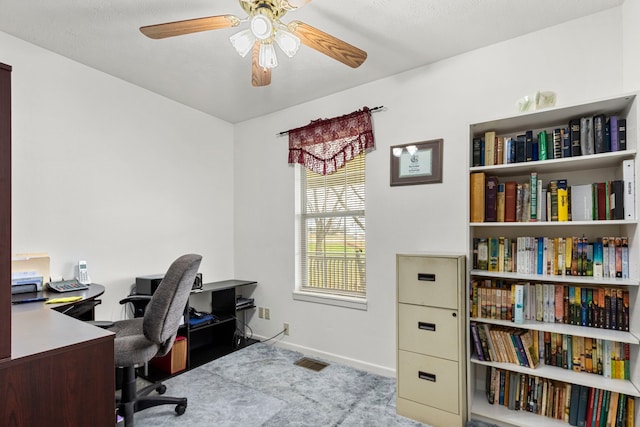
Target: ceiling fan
point(265, 30)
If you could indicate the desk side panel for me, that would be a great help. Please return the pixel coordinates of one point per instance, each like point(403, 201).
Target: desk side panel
point(5, 212)
point(72, 386)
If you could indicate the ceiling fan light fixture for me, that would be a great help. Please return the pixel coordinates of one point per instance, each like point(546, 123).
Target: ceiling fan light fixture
point(267, 56)
point(288, 42)
point(243, 42)
point(261, 26)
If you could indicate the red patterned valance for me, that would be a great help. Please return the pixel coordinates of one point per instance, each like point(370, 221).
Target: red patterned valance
point(325, 145)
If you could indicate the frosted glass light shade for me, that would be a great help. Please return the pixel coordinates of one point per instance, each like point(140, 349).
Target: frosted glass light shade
point(243, 42)
point(288, 42)
point(261, 27)
point(267, 56)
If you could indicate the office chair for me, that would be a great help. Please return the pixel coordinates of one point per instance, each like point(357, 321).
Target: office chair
point(140, 339)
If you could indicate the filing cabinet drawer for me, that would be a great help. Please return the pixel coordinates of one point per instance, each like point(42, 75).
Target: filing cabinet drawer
point(429, 330)
point(429, 281)
point(429, 380)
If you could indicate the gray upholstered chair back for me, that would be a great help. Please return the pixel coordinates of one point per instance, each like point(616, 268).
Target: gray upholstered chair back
point(165, 310)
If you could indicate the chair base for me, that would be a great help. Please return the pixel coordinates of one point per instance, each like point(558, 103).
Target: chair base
point(132, 400)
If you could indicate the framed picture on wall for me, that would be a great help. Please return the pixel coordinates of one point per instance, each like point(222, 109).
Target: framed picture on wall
point(416, 163)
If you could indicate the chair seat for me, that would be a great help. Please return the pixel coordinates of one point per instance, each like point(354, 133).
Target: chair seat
point(131, 346)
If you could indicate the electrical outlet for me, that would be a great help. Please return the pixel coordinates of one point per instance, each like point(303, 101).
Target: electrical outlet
point(286, 329)
point(267, 313)
point(261, 312)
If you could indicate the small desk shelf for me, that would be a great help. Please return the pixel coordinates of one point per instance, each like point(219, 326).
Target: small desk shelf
point(210, 341)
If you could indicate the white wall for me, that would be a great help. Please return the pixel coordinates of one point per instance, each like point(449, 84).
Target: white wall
point(116, 175)
point(631, 45)
point(437, 101)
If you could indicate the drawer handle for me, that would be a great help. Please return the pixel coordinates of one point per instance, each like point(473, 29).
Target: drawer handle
point(427, 376)
point(426, 277)
point(427, 326)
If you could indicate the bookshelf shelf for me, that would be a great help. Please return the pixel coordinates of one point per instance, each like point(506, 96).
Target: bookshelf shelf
point(574, 330)
point(567, 376)
point(563, 224)
point(484, 410)
point(593, 161)
point(577, 171)
point(589, 280)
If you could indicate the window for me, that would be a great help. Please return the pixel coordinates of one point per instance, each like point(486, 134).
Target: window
point(332, 230)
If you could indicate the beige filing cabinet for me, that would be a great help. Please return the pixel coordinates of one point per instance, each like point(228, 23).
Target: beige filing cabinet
point(431, 364)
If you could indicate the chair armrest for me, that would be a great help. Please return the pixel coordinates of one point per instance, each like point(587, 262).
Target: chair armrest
point(136, 298)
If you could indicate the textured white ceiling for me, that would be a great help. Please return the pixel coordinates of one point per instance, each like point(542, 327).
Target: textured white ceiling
point(203, 71)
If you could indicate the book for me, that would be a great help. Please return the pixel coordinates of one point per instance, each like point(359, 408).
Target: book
point(557, 143)
point(583, 402)
point(613, 133)
point(500, 153)
point(529, 149)
point(566, 142)
point(573, 404)
point(599, 141)
point(483, 254)
point(542, 145)
point(521, 148)
point(622, 134)
point(477, 205)
point(574, 137)
point(586, 136)
point(518, 311)
point(552, 204)
point(629, 198)
point(489, 148)
point(476, 341)
point(510, 200)
point(491, 199)
point(500, 200)
point(476, 157)
point(581, 202)
point(616, 197)
point(533, 196)
point(563, 200)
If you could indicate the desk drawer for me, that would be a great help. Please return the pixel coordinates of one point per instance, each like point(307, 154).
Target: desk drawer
point(431, 281)
point(429, 380)
point(429, 330)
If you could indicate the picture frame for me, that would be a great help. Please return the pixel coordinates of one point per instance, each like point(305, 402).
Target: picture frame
point(416, 163)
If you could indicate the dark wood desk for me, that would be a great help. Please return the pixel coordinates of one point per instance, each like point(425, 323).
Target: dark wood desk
point(61, 370)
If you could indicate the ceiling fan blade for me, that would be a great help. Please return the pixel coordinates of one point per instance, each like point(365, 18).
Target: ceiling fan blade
point(259, 76)
point(327, 44)
point(188, 26)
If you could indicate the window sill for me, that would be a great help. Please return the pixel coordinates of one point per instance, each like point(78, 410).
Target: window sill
point(335, 300)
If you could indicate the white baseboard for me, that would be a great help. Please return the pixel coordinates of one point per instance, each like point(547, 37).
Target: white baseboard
point(354, 363)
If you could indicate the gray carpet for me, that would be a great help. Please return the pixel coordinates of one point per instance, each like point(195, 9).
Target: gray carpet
point(260, 386)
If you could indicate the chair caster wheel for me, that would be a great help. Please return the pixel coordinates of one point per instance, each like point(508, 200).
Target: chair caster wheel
point(161, 389)
point(180, 409)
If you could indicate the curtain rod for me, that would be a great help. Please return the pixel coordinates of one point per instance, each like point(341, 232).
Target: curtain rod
point(373, 110)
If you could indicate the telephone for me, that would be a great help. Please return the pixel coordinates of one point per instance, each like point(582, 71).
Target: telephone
point(83, 273)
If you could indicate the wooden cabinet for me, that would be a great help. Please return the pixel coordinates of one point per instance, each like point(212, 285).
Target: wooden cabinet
point(431, 367)
point(539, 266)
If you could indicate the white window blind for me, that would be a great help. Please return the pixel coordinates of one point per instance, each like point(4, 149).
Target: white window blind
point(333, 230)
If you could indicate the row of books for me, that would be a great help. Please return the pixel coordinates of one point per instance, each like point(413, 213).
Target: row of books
point(582, 136)
point(557, 201)
point(607, 256)
point(529, 348)
point(600, 307)
point(574, 404)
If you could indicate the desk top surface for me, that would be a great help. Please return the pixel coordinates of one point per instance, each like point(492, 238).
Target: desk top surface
point(224, 284)
point(94, 291)
point(35, 328)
